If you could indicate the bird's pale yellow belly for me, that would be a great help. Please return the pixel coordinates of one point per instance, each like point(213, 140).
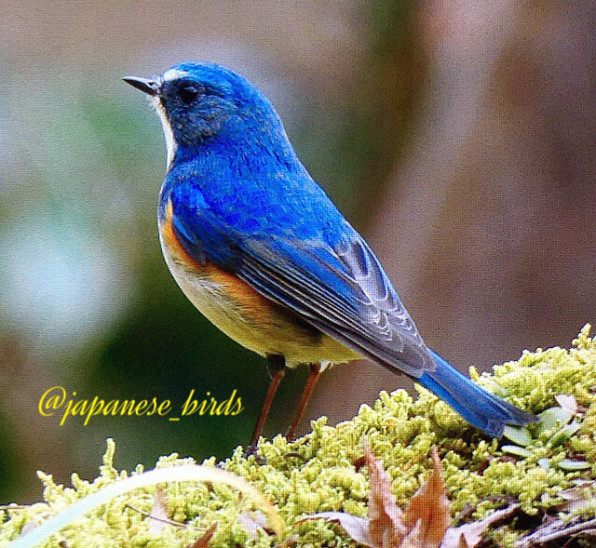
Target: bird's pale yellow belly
point(244, 314)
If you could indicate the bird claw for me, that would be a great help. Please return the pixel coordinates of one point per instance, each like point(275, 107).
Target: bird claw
point(289, 435)
point(252, 450)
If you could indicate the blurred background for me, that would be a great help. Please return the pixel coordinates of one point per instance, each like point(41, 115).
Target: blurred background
point(458, 137)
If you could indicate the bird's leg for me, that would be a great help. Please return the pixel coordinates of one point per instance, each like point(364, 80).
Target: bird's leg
point(313, 377)
point(276, 367)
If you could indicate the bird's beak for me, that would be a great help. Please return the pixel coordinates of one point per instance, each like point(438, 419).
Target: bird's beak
point(150, 87)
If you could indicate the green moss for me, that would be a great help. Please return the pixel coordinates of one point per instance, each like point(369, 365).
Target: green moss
point(322, 472)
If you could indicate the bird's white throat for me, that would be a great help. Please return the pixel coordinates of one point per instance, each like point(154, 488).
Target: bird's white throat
point(167, 129)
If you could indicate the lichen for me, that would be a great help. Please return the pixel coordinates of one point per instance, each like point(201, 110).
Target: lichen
point(323, 472)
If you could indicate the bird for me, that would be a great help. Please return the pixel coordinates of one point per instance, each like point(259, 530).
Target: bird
point(259, 249)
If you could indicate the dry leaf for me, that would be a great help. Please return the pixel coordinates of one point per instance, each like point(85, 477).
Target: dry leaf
point(425, 521)
point(429, 508)
point(159, 512)
point(386, 520)
point(575, 499)
point(557, 530)
point(415, 538)
point(253, 522)
point(469, 535)
point(357, 528)
point(203, 542)
point(567, 401)
point(288, 543)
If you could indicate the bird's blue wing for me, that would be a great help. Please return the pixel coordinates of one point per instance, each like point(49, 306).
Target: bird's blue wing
point(341, 289)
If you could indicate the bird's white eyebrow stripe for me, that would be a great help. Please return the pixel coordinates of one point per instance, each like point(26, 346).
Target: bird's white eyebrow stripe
point(173, 74)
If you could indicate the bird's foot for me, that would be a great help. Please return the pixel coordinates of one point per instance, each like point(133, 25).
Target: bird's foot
point(290, 435)
point(252, 450)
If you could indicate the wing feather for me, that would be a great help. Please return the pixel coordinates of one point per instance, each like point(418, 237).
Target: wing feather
point(340, 290)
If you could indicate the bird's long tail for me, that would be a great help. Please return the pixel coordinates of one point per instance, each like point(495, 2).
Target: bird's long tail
point(480, 408)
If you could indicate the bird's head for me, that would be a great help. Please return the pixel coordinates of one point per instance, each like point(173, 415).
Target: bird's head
point(201, 102)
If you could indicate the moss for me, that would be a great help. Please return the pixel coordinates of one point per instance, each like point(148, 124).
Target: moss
point(322, 472)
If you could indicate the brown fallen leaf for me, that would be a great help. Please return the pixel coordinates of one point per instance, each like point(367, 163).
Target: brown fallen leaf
point(429, 508)
point(423, 525)
point(358, 528)
point(577, 498)
point(557, 530)
point(386, 520)
point(253, 522)
point(159, 512)
point(470, 535)
point(203, 541)
point(567, 401)
point(288, 543)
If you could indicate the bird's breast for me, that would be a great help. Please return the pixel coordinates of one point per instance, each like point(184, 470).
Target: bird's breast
point(241, 312)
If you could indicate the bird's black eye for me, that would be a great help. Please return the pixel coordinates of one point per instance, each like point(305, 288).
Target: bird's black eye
point(188, 94)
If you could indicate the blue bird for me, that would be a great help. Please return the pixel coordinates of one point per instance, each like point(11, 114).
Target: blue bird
point(263, 253)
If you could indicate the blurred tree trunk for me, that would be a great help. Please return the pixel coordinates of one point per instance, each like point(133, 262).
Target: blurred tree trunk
point(487, 224)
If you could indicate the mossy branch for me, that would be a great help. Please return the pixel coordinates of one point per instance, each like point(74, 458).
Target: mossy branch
point(322, 471)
